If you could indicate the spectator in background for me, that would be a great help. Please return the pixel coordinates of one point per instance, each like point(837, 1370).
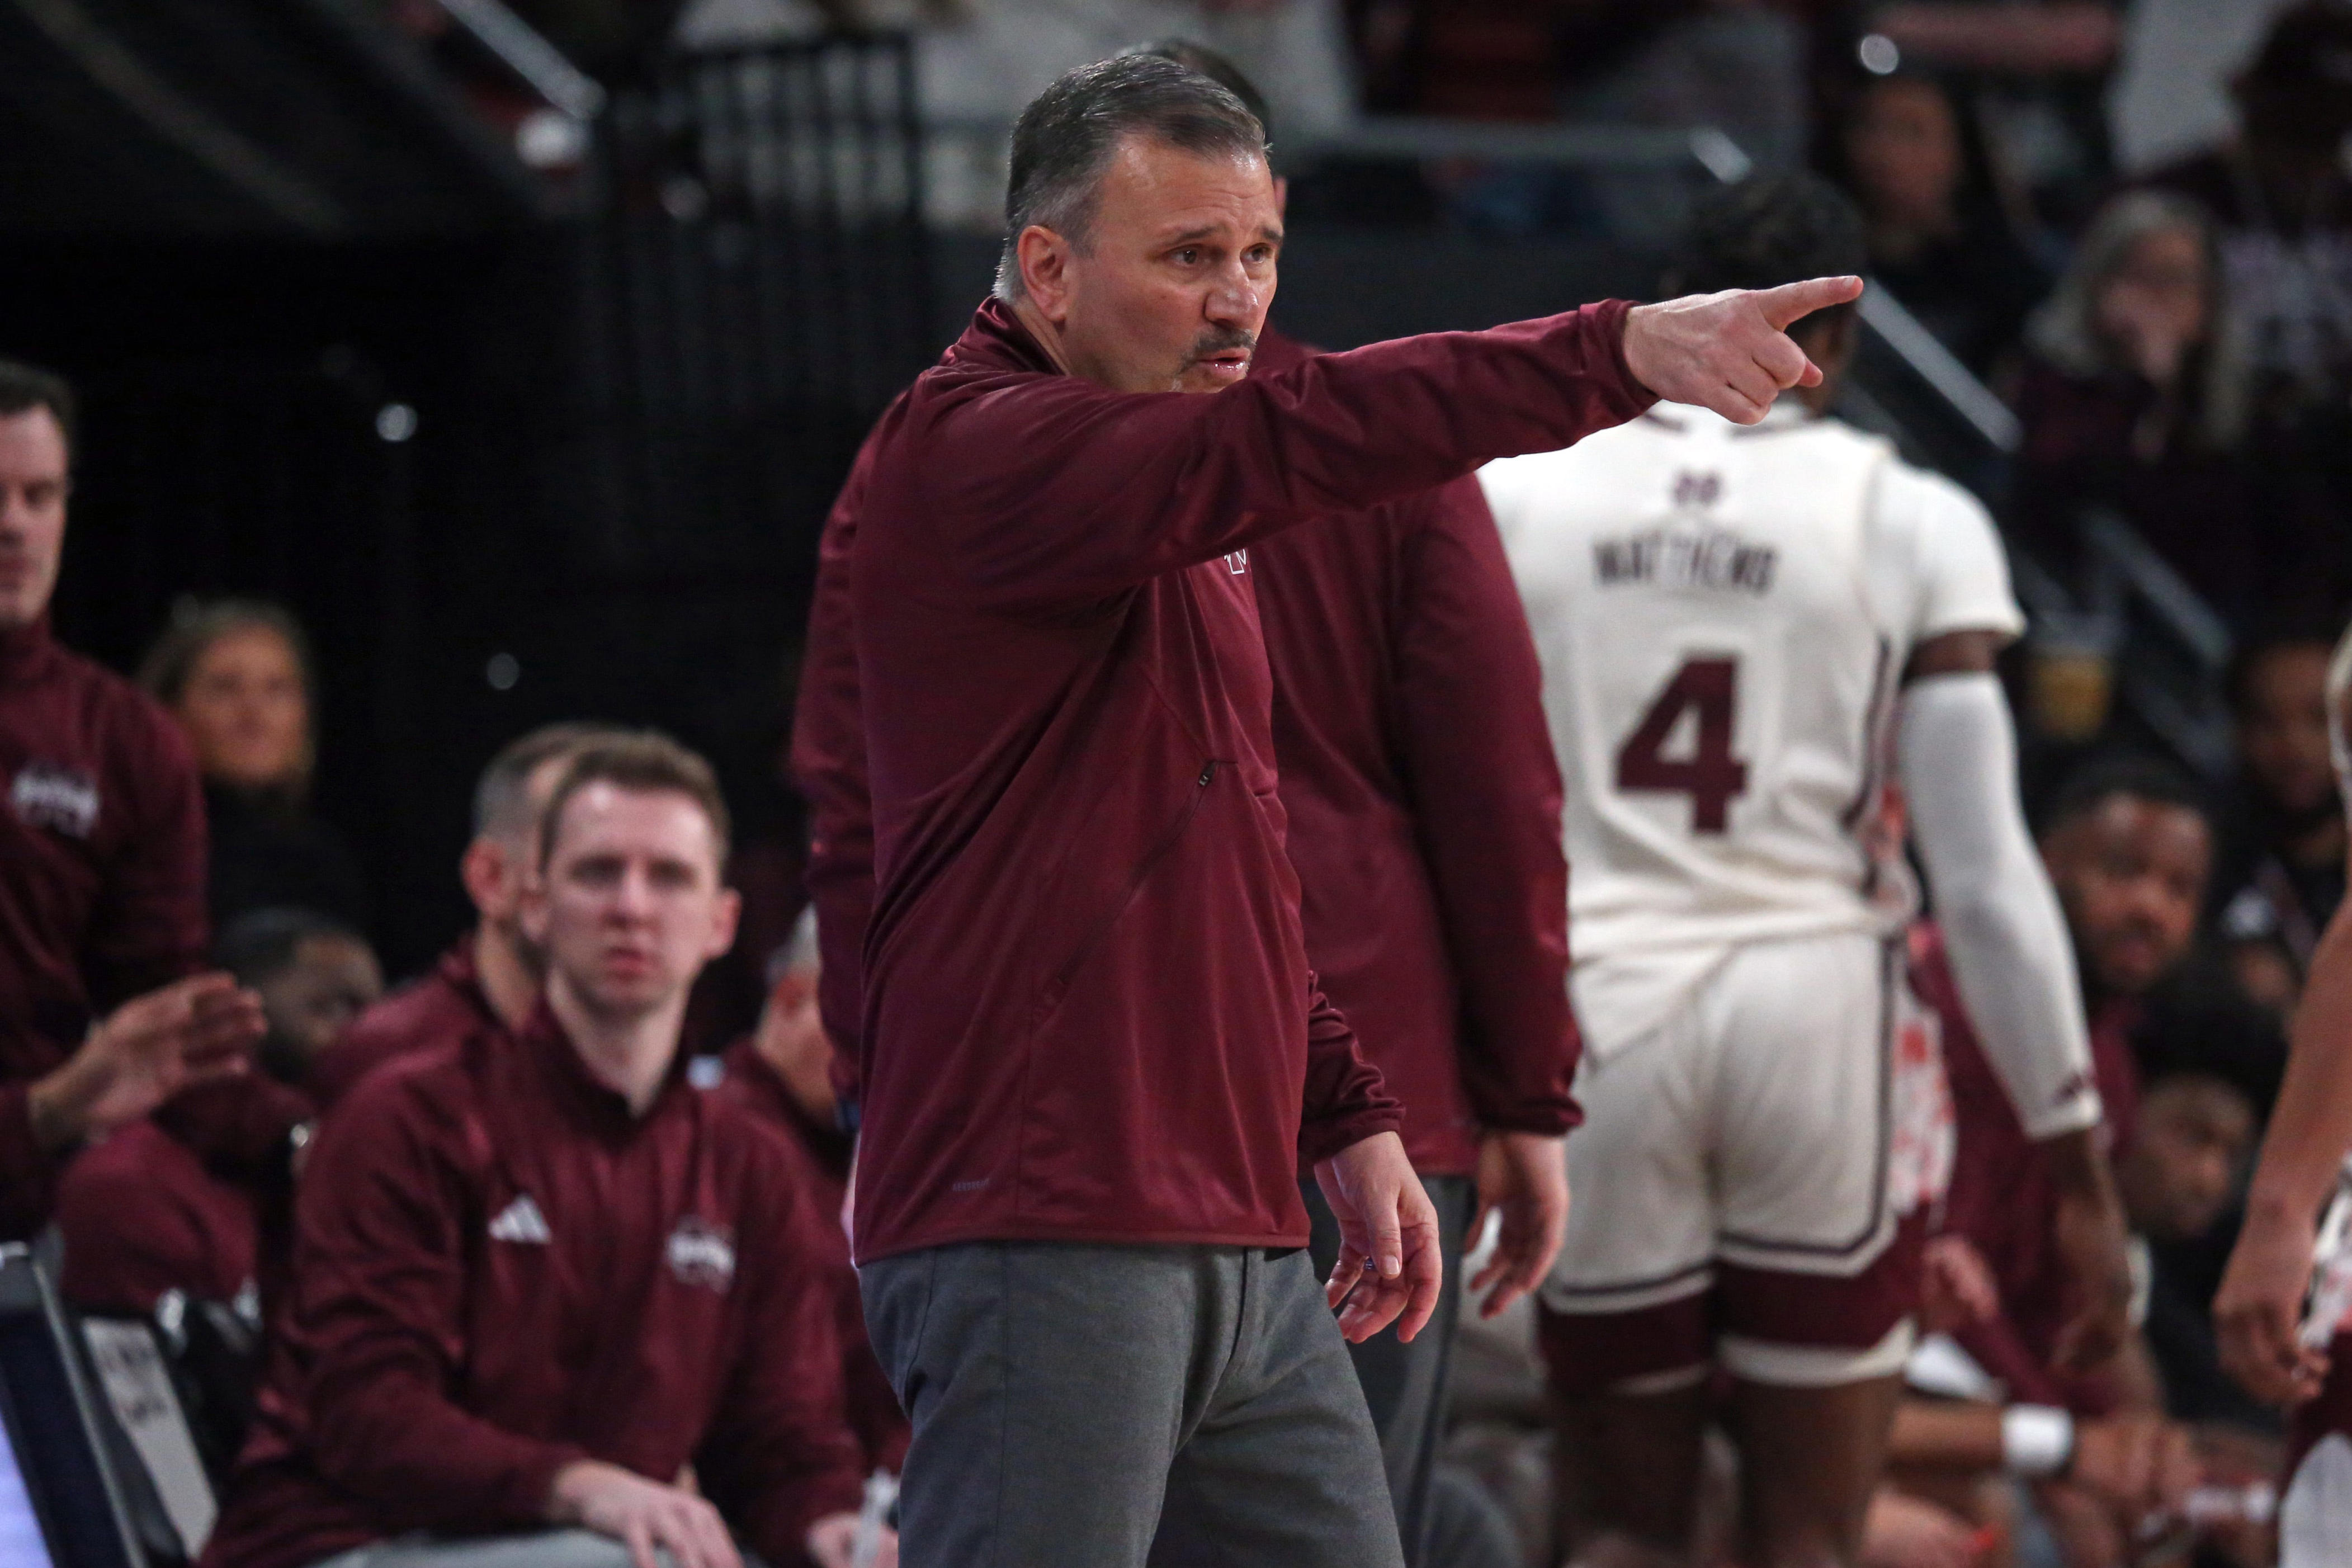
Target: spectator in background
point(2180, 1178)
point(2283, 200)
point(2281, 870)
point(490, 979)
point(2131, 849)
point(2127, 848)
point(315, 976)
point(543, 1287)
point(236, 674)
point(780, 1073)
point(142, 1213)
point(103, 1013)
point(1940, 242)
point(2129, 401)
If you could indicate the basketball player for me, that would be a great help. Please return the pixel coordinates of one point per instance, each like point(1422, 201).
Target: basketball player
point(2261, 1301)
point(1740, 628)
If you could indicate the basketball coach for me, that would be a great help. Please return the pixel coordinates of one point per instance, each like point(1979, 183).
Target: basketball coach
point(1092, 1054)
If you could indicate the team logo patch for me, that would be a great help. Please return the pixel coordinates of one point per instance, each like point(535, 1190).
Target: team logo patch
point(1237, 562)
point(56, 797)
point(520, 1221)
point(702, 1254)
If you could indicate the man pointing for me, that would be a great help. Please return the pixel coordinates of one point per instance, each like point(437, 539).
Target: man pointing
point(1091, 1052)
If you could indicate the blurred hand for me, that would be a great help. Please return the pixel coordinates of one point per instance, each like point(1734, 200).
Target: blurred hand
point(2138, 1464)
point(1523, 1176)
point(1905, 1531)
point(1959, 1288)
point(2259, 1308)
point(1391, 1263)
point(643, 1515)
point(189, 1032)
point(2155, 329)
point(1729, 352)
point(2091, 1247)
point(833, 1543)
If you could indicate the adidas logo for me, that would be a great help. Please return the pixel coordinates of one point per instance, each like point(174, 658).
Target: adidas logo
point(522, 1221)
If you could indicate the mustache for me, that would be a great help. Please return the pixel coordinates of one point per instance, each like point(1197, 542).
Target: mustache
point(1224, 342)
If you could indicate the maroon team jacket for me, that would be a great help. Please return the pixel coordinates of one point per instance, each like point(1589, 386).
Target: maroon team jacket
point(1086, 1008)
point(1423, 801)
point(2000, 1197)
point(437, 1009)
point(499, 1269)
point(195, 1198)
point(102, 876)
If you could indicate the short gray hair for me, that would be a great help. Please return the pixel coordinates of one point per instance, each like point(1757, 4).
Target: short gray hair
point(502, 794)
point(1065, 139)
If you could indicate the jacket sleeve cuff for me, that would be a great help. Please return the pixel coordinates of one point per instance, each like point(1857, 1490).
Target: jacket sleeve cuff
point(530, 1487)
point(1319, 1141)
point(1608, 316)
point(1552, 1120)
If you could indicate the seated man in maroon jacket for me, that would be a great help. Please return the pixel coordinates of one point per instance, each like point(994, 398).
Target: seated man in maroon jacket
point(103, 1015)
point(542, 1285)
point(1092, 1057)
point(144, 1213)
point(490, 979)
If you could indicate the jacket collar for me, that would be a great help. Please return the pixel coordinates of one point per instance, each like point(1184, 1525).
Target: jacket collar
point(457, 971)
point(595, 1108)
point(996, 339)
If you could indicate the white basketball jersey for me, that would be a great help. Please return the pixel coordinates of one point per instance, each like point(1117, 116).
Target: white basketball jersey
point(1724, 614)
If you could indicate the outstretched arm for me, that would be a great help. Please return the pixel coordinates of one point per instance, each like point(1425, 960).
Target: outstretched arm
point(1117, 488)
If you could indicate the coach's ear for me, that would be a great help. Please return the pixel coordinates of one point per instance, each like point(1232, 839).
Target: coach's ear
point(1044, 257)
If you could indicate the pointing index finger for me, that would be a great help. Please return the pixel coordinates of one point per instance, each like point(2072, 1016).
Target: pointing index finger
point(1795, 301)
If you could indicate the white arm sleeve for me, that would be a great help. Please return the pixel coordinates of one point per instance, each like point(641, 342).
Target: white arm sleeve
point(2001, 918)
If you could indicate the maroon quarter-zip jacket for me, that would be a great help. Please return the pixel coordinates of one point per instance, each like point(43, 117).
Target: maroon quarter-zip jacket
point(1087, 1013)
point(194, 1198)
point(102, 876)
point(499, 1269)
point(437, 1009)
point(1423, 801)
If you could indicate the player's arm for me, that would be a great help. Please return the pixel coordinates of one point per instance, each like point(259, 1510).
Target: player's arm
point(2261, 1299)
point(1957, 751)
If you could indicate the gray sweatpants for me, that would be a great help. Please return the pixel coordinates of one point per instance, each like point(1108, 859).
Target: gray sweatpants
point(1072, 1402)
point(528, 1549)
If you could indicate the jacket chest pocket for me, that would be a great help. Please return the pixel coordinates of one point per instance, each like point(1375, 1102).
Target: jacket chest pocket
point(1090, 920)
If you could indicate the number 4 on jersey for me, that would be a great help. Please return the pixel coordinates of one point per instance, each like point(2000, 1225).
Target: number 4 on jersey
point(1710, 774)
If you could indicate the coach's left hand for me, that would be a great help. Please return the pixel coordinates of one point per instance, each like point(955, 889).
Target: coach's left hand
point(1391, 1263)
